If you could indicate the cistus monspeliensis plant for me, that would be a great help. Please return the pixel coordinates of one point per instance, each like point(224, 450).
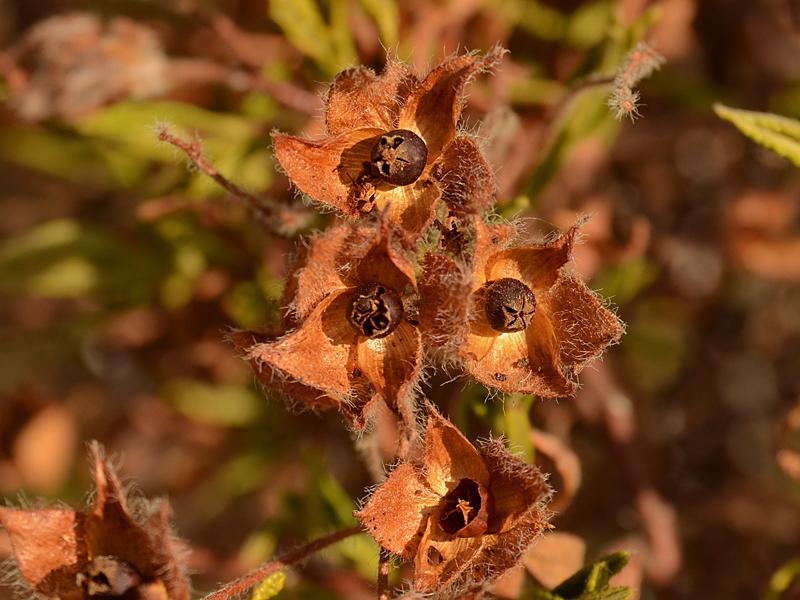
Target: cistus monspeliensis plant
point(359, 326)
point(414, 273)
point(515, 316)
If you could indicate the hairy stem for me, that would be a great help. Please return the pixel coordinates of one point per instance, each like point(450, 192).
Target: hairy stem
point(289, 558)
point(277, 219)
point(383, 575)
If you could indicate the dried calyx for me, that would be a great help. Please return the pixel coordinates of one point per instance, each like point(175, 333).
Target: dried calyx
point(398, 157)
point(510, 305)
point(375, 310)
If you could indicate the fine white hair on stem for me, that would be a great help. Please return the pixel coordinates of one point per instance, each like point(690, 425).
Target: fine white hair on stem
point(639, 63)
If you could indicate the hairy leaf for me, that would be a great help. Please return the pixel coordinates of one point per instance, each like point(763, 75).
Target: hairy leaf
point(779, 134)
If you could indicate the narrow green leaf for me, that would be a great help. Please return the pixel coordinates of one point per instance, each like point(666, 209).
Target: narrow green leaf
point(65, 259)
point(305, 28)
point(131, 124)
point(613, 593)
point(622, 282)
point(535, 17)
point(516, 426)
point(779, 134)
point(587, 117)
point(341, 36)
point(270, 587)
point(589, 24)
point(386, 17)
point(782, 579)
point(592, 578)
point(54, 153)
point(226, 405)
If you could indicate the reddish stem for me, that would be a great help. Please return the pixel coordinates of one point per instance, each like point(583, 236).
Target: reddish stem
point(277, 219)
point(383, 575)
point(289, 558)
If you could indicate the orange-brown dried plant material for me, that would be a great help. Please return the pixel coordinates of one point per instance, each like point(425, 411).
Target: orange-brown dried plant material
point(463, 515)
point(393, 141)
point(518, 319)
point(69, 65)
point(103, 552)
point(353, 337)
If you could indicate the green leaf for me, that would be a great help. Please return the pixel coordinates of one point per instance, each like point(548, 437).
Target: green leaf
point(538, 19)
point(589, 24)
point(623, 281)
point(538, 593)
point(779, 134)
point(341, 35)
point(593, 578)
point(65, 259)
point(57, 154)
point(386, 17)
point(302, 22)
point(655, 344)
point(782, 579)
point(590, 583)
point(587, 117)
point(613, 593)
point(270, 587)
point(513, 421)
point(131, 124)
point(227, 405)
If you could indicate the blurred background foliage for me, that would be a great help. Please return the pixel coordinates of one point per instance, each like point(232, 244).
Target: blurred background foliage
point(122, 270)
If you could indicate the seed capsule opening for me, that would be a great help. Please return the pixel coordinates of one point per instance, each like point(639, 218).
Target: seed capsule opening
point(460, 506)
point(398, 157)
point(510, 305)
point(375, 310)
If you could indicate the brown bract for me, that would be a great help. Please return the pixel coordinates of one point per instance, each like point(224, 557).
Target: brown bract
point(463, 515)
point(362, 106)
point(326, 359)
point(568, 328)
point(102, 552)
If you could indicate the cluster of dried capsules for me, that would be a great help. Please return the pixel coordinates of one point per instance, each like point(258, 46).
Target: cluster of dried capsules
point(418, 276)
point(415, 275)
point(367, 306)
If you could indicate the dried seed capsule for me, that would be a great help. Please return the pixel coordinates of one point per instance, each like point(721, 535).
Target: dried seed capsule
point(510, 304)
point(460, 506)
point(398, 157)
point(375, 310)
point(108, 576)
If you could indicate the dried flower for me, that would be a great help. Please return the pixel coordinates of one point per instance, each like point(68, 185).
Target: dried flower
point(532, 325)
point(464, 515)
point(69, 65)
point(393, 142)
point(99, 553)
point(353, 337)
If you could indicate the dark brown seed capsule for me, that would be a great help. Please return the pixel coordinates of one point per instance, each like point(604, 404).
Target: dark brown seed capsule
point(108, 576)
point(510, 305)
point(398, 157)
point(375, 310)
